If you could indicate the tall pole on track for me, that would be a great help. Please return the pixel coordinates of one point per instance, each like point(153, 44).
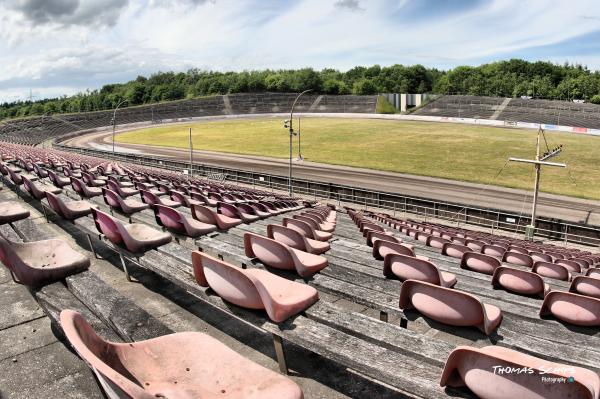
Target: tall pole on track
point(292, 134)
point(191, 155)
point(114, 121)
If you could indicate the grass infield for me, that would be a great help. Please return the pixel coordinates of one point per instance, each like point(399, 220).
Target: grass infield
point(451, 151)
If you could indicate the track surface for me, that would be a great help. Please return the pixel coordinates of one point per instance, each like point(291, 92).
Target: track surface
point(476, 195)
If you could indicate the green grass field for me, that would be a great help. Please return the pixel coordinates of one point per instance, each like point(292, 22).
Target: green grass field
point(452, 151)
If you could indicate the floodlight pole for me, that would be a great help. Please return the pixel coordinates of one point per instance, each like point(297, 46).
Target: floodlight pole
point(114, 120)
point(290, 189)
point(538, 162)
point(191, 155)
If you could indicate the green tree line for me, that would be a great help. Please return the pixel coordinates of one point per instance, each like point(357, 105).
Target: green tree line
point(511, 78)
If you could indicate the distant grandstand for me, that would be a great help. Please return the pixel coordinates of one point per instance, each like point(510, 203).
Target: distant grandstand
point(514, 109)
point(32, 131)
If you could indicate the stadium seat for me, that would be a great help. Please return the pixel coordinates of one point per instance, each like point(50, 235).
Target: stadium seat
point(183, 199)
point(586, 286)
point(570, 265)
point(206, 215)
point(294, 239)
point(177, 223)
point(493, 250)
point(519, 281)
point(187, 364)
point(572, 308)
point(40, 262)
point(455, 250)
point(306, 229)
point(233, 211)
point(12, 212)
point(68, 210)
point(38, 191)
point(153, 199)
point(593, 272)
point(123, 192)
point(459, 308)
point(480, 263)
point(136, 238)
point(493, 372)
point(436, 242)
point(551, 270)
point(84, 191)
point(253, 288)
point(58, 181)
point(517, 258)
point(381, 248)
point(280, 256)
point(410, 268)
point(126, 206)
point(377, 235)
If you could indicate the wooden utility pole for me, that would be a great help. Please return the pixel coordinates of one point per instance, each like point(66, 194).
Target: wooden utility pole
point(538, 162)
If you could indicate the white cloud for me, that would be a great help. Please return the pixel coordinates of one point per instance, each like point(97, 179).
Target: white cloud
point(73, 45)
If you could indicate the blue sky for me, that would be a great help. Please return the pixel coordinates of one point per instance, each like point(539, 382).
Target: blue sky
point(56, 47)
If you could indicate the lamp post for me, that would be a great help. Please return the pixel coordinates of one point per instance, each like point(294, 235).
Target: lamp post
point(299, 143)
point(114, 121)
point(291, 121)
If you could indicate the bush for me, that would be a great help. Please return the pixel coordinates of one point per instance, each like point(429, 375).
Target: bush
point(384, 106)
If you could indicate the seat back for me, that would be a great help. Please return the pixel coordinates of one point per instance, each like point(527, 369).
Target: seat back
point(551, 270)
point(286, 235)
point(56, 204)
point(308, 220)
point(465, 361)
point(381, 248)
point(587, 286)
point(377, 235)
point(203, 214)
point(111, 198)
point(107, 225)
point(246, 209)
point(76, 184)
point(229, 282)
point(270, 252)
point(101, 355)
point(455, 250)
point(536, 256)
point(300, 226)
point(493, 250)
point(410, 268)
point(517, 258)
point(461, 309)
point(228, 210)
point(149, 198)
point(436, 242)
point(479, 262)
point(169, 218)
point(520, 281)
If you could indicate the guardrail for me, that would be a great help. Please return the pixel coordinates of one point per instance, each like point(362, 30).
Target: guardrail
point(457, 214)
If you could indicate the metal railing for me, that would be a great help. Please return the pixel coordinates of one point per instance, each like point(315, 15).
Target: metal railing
point(395, 204)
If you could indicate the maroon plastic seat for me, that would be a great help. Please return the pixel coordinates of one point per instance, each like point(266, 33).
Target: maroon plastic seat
point(306, 229)
point(381, 248)
point(38, 191)
point(296, 240)
point(377, 235)
point(519, 281)
point(249, 210)
point(482, 371)
point(68, 210)
point(184, 199)
point(153, 199)
point(84, 191)
point(208, 216)
point(572, 308)
point(455, 250)
point(281, 256)
point(41, 262)
point(411, 268)
point(449, 306)
point(539, 256)
point(319, 224)
point(518, 249)
point(493, 250)
point(551, 270)
point(480, 263)
point(127, 206)
point(12, 212)
point(588, 286)
point(232, 211)
point(593, 272)
point(58, 181)
point(123, 192)
point(261, 210)
point(39, 171)
point(148, 187)
point(180, 365)
point(90, 180)
point(517, 258)
point(475, 245)
point(135, 237)
point(176, 222)
point(569, 265)
point(253, 288)
point(436, 242)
